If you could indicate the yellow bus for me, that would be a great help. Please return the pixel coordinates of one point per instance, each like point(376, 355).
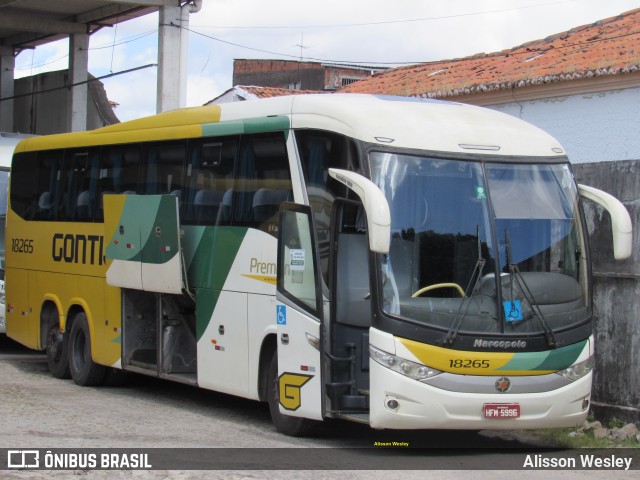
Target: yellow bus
point(399, 262)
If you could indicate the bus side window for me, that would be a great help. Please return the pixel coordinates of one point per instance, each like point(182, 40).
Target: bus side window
point(320, 151)
point(24, 192)
point(49, 185)
point(162, 169)
point(119, 167)
point(80, 184)
point(209, 178)
point(264, 181)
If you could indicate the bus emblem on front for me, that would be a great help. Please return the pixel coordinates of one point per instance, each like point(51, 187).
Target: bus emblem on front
point(503, 384)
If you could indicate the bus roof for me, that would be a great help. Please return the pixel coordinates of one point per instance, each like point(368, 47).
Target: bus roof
point(400, 122)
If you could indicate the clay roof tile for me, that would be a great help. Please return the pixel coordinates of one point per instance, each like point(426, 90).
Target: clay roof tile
point(607, 47)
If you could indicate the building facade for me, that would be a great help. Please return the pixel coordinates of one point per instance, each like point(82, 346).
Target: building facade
point(294, 75)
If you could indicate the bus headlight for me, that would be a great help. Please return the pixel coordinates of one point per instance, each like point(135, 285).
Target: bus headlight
point(577, 371)
point(403, 366)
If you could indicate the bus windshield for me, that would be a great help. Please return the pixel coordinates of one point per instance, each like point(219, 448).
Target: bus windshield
point(482, 247)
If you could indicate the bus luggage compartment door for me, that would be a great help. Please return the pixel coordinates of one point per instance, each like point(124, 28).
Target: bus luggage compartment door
point(144, 243)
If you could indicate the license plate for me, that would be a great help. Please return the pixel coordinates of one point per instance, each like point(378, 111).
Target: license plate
point(501, 410)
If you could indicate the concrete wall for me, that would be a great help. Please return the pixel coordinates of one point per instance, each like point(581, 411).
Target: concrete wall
point(44, 112)
point(601, 135)
point(595, 127)
point(616, 292)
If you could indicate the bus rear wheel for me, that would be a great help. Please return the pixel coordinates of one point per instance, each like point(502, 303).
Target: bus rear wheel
point(292, 426)
point(57, 346)
point(84, 370)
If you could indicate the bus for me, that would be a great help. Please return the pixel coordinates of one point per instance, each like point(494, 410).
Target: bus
point(8, 141)
point(398, 262)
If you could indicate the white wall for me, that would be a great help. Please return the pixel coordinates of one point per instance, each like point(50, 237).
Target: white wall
point(592, 127)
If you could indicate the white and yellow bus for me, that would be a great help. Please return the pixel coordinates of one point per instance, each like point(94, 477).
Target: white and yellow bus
point(398, 262)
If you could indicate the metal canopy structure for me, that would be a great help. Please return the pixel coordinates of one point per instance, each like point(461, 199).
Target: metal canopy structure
point(26, 24)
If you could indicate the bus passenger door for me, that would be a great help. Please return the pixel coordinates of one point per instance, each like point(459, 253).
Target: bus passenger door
point(298, 316)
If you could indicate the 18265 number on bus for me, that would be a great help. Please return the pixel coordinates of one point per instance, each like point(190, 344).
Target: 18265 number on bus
point(468, 363)
point(22, 245)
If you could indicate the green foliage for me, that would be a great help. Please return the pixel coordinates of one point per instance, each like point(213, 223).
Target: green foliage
point(616, 423)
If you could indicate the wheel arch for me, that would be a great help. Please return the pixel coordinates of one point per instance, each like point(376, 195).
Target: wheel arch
point(269, 346)
point(78, 305)
point(50, 303)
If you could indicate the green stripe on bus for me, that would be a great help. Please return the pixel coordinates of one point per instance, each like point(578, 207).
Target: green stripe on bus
point(558, 359)
point(160, 237)
point(254, 125)
point(214, 255)
point(206, 304)
point(563, 357)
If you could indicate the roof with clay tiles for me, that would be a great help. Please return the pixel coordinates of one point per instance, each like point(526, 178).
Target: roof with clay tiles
point(607, 47)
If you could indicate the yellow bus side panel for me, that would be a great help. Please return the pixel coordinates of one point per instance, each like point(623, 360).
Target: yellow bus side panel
point(63, 263)
point(90, 294)
point(19, 319)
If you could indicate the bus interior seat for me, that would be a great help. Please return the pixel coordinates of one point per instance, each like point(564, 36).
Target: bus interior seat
point(44, 205)
point(83, 210)
point(266, 203)
point(224, 211)
point(206, 204)
point(353, 305)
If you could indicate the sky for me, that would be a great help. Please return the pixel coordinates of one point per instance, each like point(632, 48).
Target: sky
point(368, 32)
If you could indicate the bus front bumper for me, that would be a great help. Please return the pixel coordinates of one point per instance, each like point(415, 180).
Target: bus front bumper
point(422, 406)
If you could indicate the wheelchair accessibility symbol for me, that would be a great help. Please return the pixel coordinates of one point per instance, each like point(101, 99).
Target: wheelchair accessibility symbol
point(513, 311)
point(281, 317)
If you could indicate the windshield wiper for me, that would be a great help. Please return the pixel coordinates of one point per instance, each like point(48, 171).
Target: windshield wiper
point(515, 273)
point(457, 320)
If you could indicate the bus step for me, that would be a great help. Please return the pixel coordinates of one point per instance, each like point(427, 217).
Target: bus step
point(354, 402)
point(354, 417)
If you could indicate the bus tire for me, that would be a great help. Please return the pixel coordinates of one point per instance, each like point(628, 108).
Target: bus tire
point(292, 426)
point(56, 346)
point(84, 370)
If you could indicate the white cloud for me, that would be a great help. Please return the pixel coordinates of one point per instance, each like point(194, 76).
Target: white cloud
point(136, 96)
point(47, 58)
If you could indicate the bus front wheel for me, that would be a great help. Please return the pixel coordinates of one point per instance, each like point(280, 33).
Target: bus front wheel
point(292, 426)
point(84, 370)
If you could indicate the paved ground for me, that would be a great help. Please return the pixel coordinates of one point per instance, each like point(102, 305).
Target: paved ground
point(39, 411)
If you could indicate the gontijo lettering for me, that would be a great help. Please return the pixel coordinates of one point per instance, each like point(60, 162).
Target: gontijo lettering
point(82, 249)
